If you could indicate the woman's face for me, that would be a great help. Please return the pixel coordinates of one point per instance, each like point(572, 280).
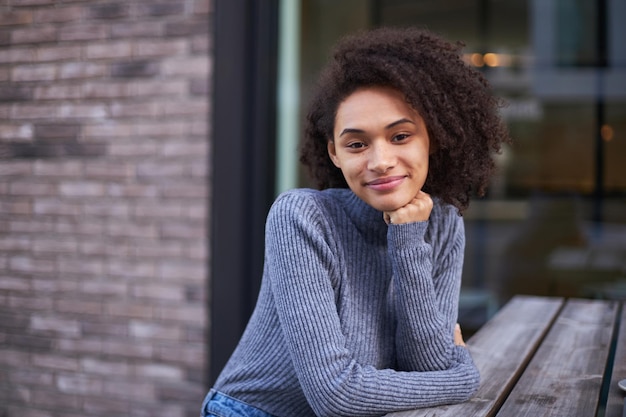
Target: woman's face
point(381, 145)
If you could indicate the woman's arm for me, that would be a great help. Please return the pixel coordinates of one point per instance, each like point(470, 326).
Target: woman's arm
point(427, 286)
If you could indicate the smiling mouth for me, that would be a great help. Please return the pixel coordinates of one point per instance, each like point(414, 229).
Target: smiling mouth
point(385, 183)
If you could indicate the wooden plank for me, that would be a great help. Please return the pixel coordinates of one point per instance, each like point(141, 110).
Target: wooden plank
point(501, 349)
point(615, 404)
point(564, 377)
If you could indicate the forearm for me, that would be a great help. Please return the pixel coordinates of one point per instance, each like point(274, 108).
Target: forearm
point(426, 300)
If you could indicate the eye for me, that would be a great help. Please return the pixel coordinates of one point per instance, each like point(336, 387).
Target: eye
point(400, 137)
point(355, 145)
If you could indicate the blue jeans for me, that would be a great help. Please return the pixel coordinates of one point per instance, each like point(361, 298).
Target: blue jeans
point(216, 404)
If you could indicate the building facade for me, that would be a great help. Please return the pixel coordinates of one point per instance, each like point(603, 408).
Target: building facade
point(104, 163)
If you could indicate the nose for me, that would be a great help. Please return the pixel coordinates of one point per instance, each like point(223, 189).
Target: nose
point(381, 158)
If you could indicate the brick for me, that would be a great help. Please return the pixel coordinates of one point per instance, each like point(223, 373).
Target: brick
point(79, 346)
point(37, 34)
point(143, 109)
point(52, 399)
point(91, 327)
point(78, 70)
point(160, 209)
point(22, 376)
point(78, 306)
point(184, 28)
point(120, 49)
point(182, 313)
point(93, 227)
point(54, 285)
point(202, 6)
point(42, 245)
point(29, 264)
point(106, 89)
point(160, 250)
point(184, 191)
point(58, 14)
point(29, 303)
point(128, 229)
point(160, 89)
point(178, 269)
point(173, 391)
point(102, 367)
point(159, 9)
point(109, 170)
point(201, 45)
point(79, 384)
point(54, 325)
point(189, 355)
point(110, 129)
point(132, 190)
point(158, 292)
point(16, 55)
point(58, 168)
point(29, 343)
point(135, 69)
point(128, 349)
point(5, 37)
point(118, 210)
point(181, 229)
point(11, 357)
point(33, 111)
point(55, 206)
point(15, 243)
point(81, 189)
point(16, 131)
point(131, 269)
point(186, 107)
point(135, 310)
point(163, 410)
point(150, 330)
point(199, 86)
point(57, 92)
point(16, 17)
point(55, 362)
point(31, 226)
point(190, 66)
point(105, 406)
point(82, 32)
point(81, 111)
point(57, 131)
point(138, 28)
point(44, 72)
point(108, 11)
point(159, 371)
point(24, 187)
point(14, 284)
point(128, 389)
point(16, 207)
point(104, 289)
point(160, 48)
point(58, 53)
point(166, 128)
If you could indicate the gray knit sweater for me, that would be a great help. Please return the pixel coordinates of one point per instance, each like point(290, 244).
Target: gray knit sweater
point(354, 317)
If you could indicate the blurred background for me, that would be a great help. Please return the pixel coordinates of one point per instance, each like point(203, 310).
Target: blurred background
point(142, 143)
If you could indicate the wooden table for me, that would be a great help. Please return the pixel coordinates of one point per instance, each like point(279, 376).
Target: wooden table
point(543, 356)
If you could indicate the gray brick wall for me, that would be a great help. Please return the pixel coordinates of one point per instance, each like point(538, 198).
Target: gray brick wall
point(104, 142)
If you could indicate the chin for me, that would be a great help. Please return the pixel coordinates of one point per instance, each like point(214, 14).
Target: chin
point(390, 205)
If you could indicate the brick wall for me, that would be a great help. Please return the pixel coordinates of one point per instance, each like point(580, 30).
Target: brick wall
point(104, 109)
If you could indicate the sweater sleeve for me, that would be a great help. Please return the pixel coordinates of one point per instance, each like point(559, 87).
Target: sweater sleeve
point(301, 263)
point(427, 287)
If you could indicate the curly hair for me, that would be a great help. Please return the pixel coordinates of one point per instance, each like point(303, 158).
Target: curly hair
point(455, 101)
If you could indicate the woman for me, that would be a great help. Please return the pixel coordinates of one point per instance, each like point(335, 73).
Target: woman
point(358, 305)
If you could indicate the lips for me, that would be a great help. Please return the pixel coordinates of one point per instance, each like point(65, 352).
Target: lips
point(385, 183)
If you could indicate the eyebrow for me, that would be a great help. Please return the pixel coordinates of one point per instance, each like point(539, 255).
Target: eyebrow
point(389, 126)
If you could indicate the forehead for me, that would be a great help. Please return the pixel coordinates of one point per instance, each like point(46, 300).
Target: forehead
point(368, 105)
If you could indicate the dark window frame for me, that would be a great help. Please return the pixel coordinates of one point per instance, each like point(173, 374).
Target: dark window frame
point(243, 161)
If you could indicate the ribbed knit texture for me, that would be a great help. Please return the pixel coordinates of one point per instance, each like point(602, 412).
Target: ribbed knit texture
point(354, 317)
